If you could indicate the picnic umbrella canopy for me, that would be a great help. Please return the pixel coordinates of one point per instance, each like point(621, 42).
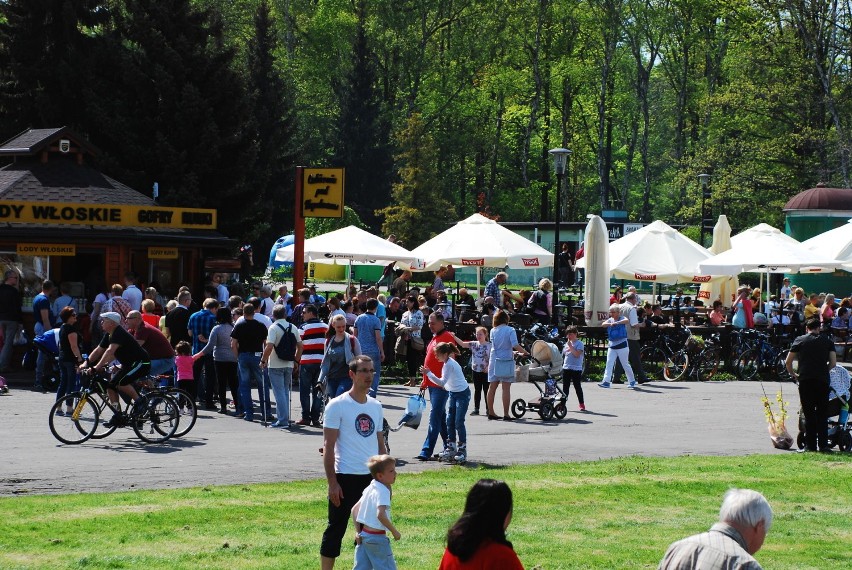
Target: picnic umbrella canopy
point(348, 245)
point(836, 243)
point(767, 250)
point(657, 253)
point(481, 242)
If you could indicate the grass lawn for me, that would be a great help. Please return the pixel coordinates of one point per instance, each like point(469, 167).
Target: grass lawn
point(619, 513)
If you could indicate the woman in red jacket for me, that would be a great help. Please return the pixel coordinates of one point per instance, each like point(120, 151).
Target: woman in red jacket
point(478, 539)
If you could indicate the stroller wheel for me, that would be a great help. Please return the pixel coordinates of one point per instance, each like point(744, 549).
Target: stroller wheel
point(519, 408)
point(844, 441)
point(560, 410)
point(545, 409)
point(800, 440)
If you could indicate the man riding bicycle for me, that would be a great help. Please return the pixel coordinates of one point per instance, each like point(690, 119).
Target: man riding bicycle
point(117, 344)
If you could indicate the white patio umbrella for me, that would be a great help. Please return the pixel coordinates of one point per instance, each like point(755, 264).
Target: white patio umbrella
point(722, 288)
point(596, 309)
point(836, 243)
point(767, 250)
point(349, 245)
point(479, 242)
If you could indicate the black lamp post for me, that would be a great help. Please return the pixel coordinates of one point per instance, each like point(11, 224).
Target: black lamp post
point(560, 159)
point(706, 215)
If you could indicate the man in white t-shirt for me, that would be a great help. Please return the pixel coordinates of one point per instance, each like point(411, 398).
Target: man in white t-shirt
point(132, 294)
point(786, 291)
point(352, 433)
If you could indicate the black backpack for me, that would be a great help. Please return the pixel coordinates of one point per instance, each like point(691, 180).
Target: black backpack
point(538, 301)
point(286, 347)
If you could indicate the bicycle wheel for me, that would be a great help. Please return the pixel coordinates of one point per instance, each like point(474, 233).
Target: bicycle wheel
point(158, 419)
point(104, 414)
point(79, 425)
point(781, 367)
point(708, 364)
point(747, 365)
point(675, 366)
point(186, 409)
point(652, 359)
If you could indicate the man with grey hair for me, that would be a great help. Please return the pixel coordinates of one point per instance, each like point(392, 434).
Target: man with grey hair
point(492, 288)
point(10, 315)
point(744, 521)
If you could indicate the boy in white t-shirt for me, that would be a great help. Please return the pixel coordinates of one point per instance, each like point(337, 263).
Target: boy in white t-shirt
point(371, 516)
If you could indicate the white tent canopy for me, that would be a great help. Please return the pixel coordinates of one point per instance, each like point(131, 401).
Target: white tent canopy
point(348, 245)
point(767, 250)
point(481, 242)
point(836, 243)
point(656, 253)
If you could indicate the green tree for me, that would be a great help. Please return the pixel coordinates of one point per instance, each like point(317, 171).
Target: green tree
point(419, 209)
point(317, 226)
point(363, 132)
point(172, 109)
point(273, 123)
point(46, 51)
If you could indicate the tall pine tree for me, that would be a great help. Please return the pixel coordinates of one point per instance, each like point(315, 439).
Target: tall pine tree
point(173, 110)
point(273, 124)
point(363, 132)
point(46, 50)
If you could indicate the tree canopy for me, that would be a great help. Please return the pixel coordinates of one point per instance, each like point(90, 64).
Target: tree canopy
point(457, 100)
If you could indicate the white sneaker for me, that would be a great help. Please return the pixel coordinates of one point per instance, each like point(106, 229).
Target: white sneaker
point(448, 453)
point(461, 456)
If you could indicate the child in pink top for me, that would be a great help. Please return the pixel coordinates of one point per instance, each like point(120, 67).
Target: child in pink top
point(183, 363)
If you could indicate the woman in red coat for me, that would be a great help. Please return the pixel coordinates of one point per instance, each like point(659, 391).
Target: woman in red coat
point(478, 539)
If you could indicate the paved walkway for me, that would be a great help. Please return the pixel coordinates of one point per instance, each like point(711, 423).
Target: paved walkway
point(660, 419)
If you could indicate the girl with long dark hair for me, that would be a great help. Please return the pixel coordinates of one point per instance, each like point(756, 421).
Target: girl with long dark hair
point(478, 538)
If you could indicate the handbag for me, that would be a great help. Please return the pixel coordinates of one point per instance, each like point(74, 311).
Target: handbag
point(417, 343)
point(504, 367)
point(400, 347)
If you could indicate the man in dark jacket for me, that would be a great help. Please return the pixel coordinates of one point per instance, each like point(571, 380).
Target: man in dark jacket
point(10, 315)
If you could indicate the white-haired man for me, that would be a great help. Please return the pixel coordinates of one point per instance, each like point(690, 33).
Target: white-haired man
point(744, 521)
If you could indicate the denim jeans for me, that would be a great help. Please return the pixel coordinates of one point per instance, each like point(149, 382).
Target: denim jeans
point(308, 376)
point(374, 553)
point(249, 366)
point(67, 379)
point(10, 330)
point(41, 357)
point(337, 386)
point(437, 420)
point(456, 412)
point(206, 383)
point(281, 379)
point(377, 375)
point(163, 366)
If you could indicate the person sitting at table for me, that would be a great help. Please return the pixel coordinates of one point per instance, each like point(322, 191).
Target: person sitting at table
point(466, 298)
point(616, 296)
point(841, 320)
point(657, 317)
point(779, 318)
point(717, 314)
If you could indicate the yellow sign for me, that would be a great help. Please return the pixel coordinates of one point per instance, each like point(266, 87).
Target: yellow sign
point(45, 249)
point(106, 215)
point(162, 253)
point(322, 193)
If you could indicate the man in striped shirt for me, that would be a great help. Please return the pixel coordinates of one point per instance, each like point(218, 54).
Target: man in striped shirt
point(313, 346)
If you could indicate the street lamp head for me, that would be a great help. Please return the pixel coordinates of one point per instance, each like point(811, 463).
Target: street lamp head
point(560, 158)
point(704, 179)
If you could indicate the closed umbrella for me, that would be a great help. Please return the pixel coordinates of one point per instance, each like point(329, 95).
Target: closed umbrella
point(597, 272)
point(725, 287)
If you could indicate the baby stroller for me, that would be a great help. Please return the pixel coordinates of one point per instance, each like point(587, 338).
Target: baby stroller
point(48, 343)
point(839, 428)
point(545, 368)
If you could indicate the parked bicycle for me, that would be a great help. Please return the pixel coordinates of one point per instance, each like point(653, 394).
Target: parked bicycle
point(666, 355)
point(764, 356)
